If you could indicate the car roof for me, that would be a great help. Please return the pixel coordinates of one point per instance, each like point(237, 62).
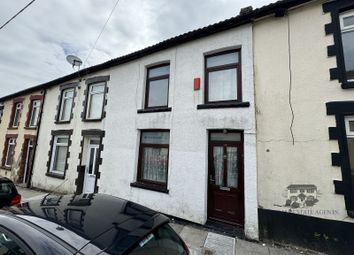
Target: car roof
point(4, 179)
point(109, 223)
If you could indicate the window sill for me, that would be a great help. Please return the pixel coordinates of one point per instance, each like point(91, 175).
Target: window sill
point(12, 128)
point(63, 122)
point(149, 187)
point(7, 168)
point(348, 85)
point(92, 120)
point(155, 109)
point(30, 128)
point(58, 176)
point(233, 104)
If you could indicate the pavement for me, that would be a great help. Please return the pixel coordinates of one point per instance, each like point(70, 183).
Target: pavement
point(204, 242)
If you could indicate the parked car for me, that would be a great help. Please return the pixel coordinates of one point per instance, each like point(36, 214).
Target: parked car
point(86, 224)
point(8, 193)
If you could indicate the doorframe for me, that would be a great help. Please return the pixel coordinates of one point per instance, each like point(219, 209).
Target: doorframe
point(24, 152)
point(79, 182)
point(89, 146)
point(241, 176)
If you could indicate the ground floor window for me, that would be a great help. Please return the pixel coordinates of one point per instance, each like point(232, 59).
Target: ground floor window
point(59, 154)
point(10, 151)
point(153, 157)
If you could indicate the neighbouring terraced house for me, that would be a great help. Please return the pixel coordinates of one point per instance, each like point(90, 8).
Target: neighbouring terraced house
point(248, 122)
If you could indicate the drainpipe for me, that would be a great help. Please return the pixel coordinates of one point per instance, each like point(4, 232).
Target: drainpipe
point(36, 142)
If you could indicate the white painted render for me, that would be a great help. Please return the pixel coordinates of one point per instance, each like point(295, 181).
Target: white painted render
point(187, 173)
point(39, 178)
point(308, 161)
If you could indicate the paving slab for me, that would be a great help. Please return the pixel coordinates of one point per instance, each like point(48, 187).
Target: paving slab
point(194, 238)
point(219, 244)
point(247, 248)
point(281, 251)
point(29, 194)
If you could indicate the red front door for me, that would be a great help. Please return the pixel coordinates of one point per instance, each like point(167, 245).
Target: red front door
point(225, 189)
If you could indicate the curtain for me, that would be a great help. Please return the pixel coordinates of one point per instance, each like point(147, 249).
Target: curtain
point(154, 165)
point(218, 154)
point(232, 171)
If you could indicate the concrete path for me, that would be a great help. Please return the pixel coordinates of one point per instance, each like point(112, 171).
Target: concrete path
point(202, 242)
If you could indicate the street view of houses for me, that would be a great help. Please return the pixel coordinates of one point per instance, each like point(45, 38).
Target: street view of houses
point(233, 138)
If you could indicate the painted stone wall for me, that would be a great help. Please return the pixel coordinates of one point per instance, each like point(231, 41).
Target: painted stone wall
point(290, 170)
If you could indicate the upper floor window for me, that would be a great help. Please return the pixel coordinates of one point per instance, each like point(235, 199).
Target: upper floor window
point(223, 77)
point(59, 154)
point(17, 114)
point(347, 31)
point(95, 101)
point(66, 104)
point(157, 83)
point(35, 109)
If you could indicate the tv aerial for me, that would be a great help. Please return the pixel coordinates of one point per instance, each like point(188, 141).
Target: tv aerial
point(74, 61)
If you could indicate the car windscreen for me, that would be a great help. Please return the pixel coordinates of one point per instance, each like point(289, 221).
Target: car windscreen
point(163, 240)
point(7, 188)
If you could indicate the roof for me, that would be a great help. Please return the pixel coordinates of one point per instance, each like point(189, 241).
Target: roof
point(276, 9)
point(109, 223)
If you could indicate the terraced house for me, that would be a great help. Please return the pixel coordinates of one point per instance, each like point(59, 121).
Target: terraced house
point(19, 123)
point(228, 123)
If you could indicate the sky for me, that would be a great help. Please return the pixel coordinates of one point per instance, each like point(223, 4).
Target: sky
point(34, 46)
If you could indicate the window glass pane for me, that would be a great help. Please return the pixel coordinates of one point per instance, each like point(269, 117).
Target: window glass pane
point(64, 140)
point(159, 71)
point(69, 93)
point(17, 115)
point(92, 157)
point(66, 110)
point(34, 116)
point(231, 136)
point(158, 93)
point(10, 153)
point(224, 59)
point(350, 142)
point(348, 21)
point(218, 156)
point(223, 85)
point(151, 137)
point(348, 50)
point(60, 158)
point(232, 171)
point(351, 125)
point(154, 164)
point(95, 108)
point(97, 88)
point(6, 188)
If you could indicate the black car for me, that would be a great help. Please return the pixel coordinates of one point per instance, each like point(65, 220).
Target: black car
point(86, 224)
point(8, 193)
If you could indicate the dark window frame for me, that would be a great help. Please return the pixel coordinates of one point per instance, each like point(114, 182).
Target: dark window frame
point(148, 184)
point(335, 8)
point(5, 150)
point(13, 111)
point(221, 68)
point(156, 78)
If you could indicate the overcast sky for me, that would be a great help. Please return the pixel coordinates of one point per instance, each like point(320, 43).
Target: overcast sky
point(34, 45)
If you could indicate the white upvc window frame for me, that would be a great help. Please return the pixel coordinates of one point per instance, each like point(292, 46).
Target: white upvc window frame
point(344, 15)
point(63, 100)
point(12, 141)
point(89, 96)
point(346, 29)
point(36, 104)
point(347, 119)
point(17, 114)
point(54, 149)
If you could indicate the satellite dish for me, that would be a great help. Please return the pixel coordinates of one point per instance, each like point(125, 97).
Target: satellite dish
point(74, 61)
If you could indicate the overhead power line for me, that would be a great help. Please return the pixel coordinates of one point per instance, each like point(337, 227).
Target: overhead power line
point(7, 22)
point(104, 26)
